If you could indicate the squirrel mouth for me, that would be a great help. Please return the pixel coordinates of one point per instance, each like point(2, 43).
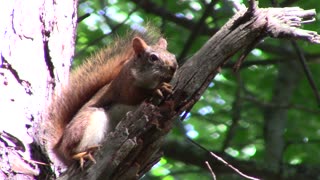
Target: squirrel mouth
point(168, 77)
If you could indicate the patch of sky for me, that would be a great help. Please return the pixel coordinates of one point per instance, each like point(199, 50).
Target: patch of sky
point(159, 171)
point(190, 131)
point(217, 6)
point(215, 135)
point(179, 15)
point(219, 100)
point(195, 5)
point(92, 21)
point(205, 110)
point(113, 1)
point(189, 15)
point(85, 7)
point(138, 27)
point(249, 150)
point(115, 14)
point(222, 128)
point(220, 77)
point(136, 19)
point(256, 52)
point(211, 84)
point(105, 28)
point(160, 163)
point(101, 12)
point(295, 161)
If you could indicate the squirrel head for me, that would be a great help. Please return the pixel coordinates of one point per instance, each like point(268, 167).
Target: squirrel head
point(152, 64)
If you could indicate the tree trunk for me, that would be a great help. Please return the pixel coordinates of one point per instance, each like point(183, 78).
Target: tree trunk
point(37, 45)
point(275, 118)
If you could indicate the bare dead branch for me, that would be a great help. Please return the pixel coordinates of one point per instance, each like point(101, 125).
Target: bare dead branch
point(210, 169)
point(285, 23)
point(235, 169)
point(303, 61)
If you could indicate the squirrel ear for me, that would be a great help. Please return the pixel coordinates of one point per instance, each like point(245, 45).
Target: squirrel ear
point(139, 45)
point(162, 43)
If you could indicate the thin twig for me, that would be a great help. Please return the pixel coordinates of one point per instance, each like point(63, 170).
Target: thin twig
point(210, 169)
point(303, 61)
point(238, 6)
point(223, 161)
point(268, 62)
point(230, 166)
point(197, 29)
point(246, 52)
point(280, 106)
point(95, 41)
point(81, 18)
point(236, 114)
point(307, 71)
point(253, 5)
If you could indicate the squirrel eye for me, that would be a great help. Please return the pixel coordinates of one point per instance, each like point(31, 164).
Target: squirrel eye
point(154, 57)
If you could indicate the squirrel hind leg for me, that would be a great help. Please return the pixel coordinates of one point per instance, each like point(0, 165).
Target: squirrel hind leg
point(87, 154)
point(93, 134)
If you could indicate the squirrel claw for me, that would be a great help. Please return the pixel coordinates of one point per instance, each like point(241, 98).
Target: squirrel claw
point(159, 93)
point(86, 155)
point(166, 87)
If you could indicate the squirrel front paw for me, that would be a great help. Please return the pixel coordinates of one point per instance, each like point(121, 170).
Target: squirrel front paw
point(164, 89)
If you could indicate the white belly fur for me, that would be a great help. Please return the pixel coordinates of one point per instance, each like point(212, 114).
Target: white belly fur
point(100, 124)
point(95, 131)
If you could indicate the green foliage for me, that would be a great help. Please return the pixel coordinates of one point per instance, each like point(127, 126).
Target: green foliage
point(210, 120)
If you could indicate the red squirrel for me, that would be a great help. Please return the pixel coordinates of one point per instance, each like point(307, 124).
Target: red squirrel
point(102, 90)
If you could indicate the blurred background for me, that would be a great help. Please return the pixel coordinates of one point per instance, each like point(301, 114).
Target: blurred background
point(264, 119)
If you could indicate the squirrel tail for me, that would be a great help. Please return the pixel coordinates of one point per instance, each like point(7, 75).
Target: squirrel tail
point(97, 71)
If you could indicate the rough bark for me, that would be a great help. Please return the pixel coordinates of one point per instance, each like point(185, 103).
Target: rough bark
point(37, 44)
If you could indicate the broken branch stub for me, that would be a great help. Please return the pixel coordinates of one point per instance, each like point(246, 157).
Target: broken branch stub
point(285, 23)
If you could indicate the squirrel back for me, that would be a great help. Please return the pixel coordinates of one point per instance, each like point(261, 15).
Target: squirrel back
point(87, 79)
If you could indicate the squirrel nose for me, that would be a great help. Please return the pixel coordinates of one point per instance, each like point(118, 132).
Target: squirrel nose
point(173, 68)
